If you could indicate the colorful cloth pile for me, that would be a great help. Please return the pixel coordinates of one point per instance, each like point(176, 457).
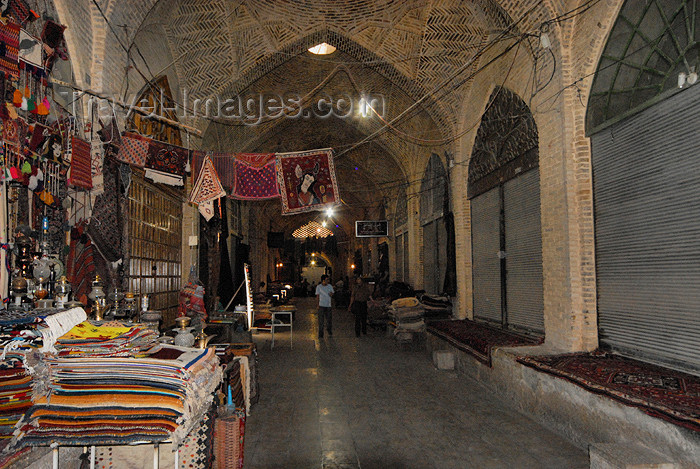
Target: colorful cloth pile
point(106, 340)
point(118, 400)
point(15, 395)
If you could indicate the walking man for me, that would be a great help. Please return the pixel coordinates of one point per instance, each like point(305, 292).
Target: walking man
point(324, 292)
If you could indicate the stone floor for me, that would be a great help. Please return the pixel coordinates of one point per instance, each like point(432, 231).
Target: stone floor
point(347, 402)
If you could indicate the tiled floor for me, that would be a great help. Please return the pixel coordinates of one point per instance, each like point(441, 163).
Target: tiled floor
point(347, 402)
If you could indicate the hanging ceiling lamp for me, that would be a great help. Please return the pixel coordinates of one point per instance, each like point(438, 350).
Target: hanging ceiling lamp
point(322, 49)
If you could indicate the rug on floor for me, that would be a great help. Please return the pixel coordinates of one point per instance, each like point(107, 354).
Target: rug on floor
point(661, 392)
point(478, 339)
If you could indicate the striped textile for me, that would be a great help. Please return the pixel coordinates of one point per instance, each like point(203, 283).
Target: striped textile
point(80, 164)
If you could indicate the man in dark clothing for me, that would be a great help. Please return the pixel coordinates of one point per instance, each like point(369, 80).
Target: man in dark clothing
point(358, 305)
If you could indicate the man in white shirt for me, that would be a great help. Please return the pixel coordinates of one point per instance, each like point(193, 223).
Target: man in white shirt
point(324, 292)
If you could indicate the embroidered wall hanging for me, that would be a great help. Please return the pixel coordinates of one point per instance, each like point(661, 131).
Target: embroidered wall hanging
point(207, 189)
point(255, 177)
point(224, 164)
point(307, 180)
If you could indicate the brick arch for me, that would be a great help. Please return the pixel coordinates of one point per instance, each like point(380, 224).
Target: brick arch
point(493, 156)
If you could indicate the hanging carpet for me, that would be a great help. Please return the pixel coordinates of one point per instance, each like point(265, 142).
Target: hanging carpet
point(166, 163)
point(255, 177)
point(307, 180)
point(133, 149)
point(660, 392)
point(105, 226)
point(80, 164)
point(477, 339)
point(9, 49)
point(207, 189)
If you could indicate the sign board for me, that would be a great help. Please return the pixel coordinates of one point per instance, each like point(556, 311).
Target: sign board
point(371, 229)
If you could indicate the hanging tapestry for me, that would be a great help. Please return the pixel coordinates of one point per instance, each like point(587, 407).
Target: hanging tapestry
point(224, 164)
point(80, 164)
point(166, 158)
point(207, 189)
point(307, 180)
point(255, 176)
point(105, 228)
point(9, 49)
point(134, 149)
point(10, 132)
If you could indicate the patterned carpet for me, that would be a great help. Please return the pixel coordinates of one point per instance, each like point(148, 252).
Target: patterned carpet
point(661, 392)
point(477, 339)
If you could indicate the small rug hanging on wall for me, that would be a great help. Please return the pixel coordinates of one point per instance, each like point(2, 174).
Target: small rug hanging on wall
point(207, 189)
point(255, 177)
point(166, 163)
point(80, 164)
point(133, 149)
point(9, 49)
point(307, 181)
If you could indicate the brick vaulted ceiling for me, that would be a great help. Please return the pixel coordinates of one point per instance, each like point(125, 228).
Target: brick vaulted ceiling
point(399, 48)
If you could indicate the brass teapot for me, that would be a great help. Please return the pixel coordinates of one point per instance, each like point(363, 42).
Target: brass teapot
point(202, 340)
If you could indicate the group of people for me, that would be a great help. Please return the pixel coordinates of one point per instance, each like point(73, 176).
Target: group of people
point(359, 297)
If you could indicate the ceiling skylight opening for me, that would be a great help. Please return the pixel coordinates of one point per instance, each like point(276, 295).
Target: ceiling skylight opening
point(322, 49)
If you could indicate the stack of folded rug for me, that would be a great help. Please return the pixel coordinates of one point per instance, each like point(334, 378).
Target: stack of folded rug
point(436, 307)
point(15, 395)
point(407, 314)
point(112, 339)
point(97, 400)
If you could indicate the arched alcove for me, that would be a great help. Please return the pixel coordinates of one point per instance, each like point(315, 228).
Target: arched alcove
point(504, 188)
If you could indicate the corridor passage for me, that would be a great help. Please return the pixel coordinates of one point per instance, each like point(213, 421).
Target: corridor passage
point(347, 402)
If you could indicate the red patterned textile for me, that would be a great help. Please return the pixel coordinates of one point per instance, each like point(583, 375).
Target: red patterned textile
point(133, 149)
point(477, 339)
point(9, 58)
point(166, 158)
point(80, 164)
point(307, 181)
point(660, 392)
point(255, 177)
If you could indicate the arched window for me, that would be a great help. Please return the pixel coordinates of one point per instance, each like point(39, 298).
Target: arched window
point(654, 46)
point(158, 99)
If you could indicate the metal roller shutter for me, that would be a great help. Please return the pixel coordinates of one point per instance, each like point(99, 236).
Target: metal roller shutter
point(429, 240)
point(486, 265)
point(646, 173)
point(521, 207)
point(406, 277)
point(441, 270)
point(398, 247)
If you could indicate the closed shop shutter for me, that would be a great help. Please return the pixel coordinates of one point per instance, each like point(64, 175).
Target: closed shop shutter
point(521, 208)
point(646, 173)
point(429, 257)
point(406, 278)
point(441, 270)
point(485, 247)
point(398, 248)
